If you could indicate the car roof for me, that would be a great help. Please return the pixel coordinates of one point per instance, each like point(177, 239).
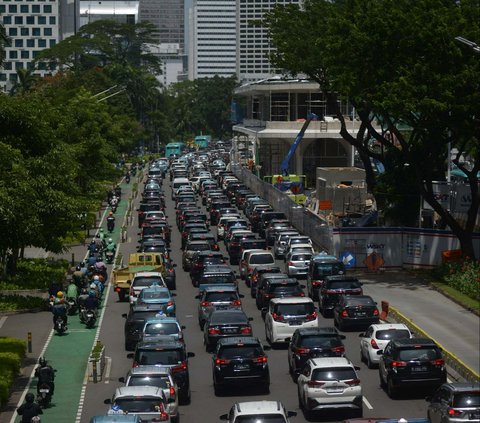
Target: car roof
point(326, 362)
point(462, 386)
point(217, 268)
point(155, 288)
point(411, 342)
point(136, 391)
point(147, 274)
point(322, 256)
point(293, 300)
point(387, 326)
point(257, 407)
point(150, 369)
point(280, 281)
point(325, 330)
point(166, 318)
point(252, 340)
point(160, 341)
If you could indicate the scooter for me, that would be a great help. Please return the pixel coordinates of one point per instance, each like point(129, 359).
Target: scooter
point(110, 225)
point(59, 326)
point(109, 256)
point(72, 306)
point(44, 396)
point(127, 179)
point(90, 318)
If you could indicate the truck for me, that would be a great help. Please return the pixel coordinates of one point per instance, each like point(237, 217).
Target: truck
point(137, 262)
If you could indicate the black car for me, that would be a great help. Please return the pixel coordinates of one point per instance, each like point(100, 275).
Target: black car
point(255, 276)
point(321, 266)
point(240, 360)
point(170, 353)
point(146, 207)
point(266, 218)
point(411, 363)
point(200, 260)
point(135, 320)
point(217, 274)
point(359, 311)
point(223, 324)
point(333, 288)
point(264, 277)
point(273, 226)
point(215, 210)
point(278, 288)
point(309, 343)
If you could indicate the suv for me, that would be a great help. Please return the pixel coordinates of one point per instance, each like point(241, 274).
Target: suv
point(329, 383)
point(217, 274)
point(143, 280)
point(221, 297)
point(258, 412)
point(333, 288)
point(309, 343)
point(253, 258)
point(413, 362)
point(454, 403)
point(278, 288)
point(135, 320)
point(280, 244)
point(322, 265)
point(255, 276)
point(240, 360)
point(169, 353)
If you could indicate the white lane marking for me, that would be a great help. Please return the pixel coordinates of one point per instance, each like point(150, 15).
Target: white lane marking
point(3, 320)
point(365, 401)
point(32, 375)
point(108, 368)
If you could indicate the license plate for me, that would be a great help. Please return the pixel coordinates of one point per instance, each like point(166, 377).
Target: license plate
point(242, 367)
point(360, 314)
point(44, 391)
point(294, 322)
point(419, 369)
point(334, 390)
point(221, 307)
point(230, 330)
point(474, 416)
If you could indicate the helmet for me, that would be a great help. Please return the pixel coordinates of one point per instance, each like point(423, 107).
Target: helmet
point(110, 240)
point(99, 259)
point(97, 236)
point(78, 267)
point(42, 362)
point(101, 230)
point(92, 241)
point(96, 278)
point(29, 397)
point(59, 294)
point(110, 213)
point(93, 286)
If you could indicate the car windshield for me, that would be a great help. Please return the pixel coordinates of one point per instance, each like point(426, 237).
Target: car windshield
point(419, 354)
point(246, 351)
point(334, 373)
point(213, 297)
point(160, 381)
point(343, 285)
point(327, 269)
point(466, 399)
point(165, 357)
point(392, 334)
point(257, 418)
point(317, 341)
point(146, 282)
point(152, 295)
point(165, 328)
point(285, 289)
point(262, 259)
point(218, 279)
point(135, 405)
point(299, 309)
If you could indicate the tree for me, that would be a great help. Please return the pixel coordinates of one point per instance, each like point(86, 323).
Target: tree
point(26, 80)
point(4, 42)
point(399, 64)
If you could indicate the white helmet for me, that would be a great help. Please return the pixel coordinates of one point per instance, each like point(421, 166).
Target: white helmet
point(110, 240)
point(93, 286)
point(96, 278)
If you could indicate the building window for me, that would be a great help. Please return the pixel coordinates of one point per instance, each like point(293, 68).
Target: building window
point(47, 8)
point(52, 43)
point(42, 20)
point(19, 42)
point(18, 20)
point(12, 32)
point(24, 8)
point(35, 8)
point(7, 20)
point(13, 77)
point(12, 8)
point(19, 65)
point(2, 9)
point(25, 54)
point(35, 54)
point(24, 31)
point(7, 65)
point(3, 76)
point(47, 31)
point(42, 43)
point(35, 32)
point(52, 20)
point(30, 20)
point(30, 43)
point(13, 54)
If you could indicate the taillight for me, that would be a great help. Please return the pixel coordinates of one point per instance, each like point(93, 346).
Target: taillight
point(180, 368)
point(438, 362)
point(290, 263)
point(249, 269)
point(132, 292)
point(213, 331)
point(331, 292)
point(399, 364)
point(267, 296)
point(344, 313)
point(375, 312)
point(315, 384)
point(135, 364)
point(277, 317)
point(170, 303)
point(311, 316)
point(172, 392)
point(374, 345)
point(246, 329)
point(206, 303)
point(215, 247)
point(301, 351)
point(236, 303)
point(316, 283)
point(262, 359)
point(338, 349)
point(301, 294)
point(171, 270)
point(221, 361)
point(353, 382)
point(453, 412)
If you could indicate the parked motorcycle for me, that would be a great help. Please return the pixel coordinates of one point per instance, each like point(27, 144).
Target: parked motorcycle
point(60, 326)
point(44, 397)
point(109, 256)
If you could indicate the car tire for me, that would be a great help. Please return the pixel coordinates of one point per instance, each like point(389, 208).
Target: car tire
point(176, 419)
point(217, 390)
point(382, 382)
point(266, 389)
point(121, 296)
point(370, 363)
point(358, 414)
point(391, 390)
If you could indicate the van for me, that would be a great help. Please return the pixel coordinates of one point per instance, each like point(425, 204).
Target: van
point(178, 182)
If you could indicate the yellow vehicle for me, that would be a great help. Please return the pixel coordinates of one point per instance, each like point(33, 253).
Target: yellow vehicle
point(291, 185)
point(137, 262)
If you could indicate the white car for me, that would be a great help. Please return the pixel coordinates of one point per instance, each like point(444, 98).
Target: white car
point(143, 280)
point(285, 315)
point(376, 338)
point(222, 222)
point(258, 412)
point(329, 383)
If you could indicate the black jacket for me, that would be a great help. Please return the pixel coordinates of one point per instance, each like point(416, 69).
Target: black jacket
point(28, 411)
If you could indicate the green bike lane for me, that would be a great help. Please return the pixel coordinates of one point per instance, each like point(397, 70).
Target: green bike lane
point(68, 354)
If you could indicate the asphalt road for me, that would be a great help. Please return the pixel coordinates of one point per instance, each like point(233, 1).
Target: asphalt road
point(205, 406)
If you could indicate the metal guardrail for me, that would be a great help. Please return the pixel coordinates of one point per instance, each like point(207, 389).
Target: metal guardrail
point(452, 361)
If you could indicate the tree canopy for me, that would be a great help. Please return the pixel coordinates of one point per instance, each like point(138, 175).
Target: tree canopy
point(398, 63)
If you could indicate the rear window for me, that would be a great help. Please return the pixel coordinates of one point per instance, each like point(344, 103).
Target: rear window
point(158, 381)
point(392, 334)
point(419, 354)
point(335, 373)
point(360, 301)
point(165, 328)
point(299, 309)
point(141, 316)
point(226, 318)
point(321, 270)
point(198, 247)
point(261, 259)
point(221, 296)
point(320, 342)
point(218, 279)
point(146, 282)
point(152, 295)
point(135, 405)
point(165, 357)
point(285, 289)
point(258, 418)
point(466, 399)
point(234, 351)
point(343, 285)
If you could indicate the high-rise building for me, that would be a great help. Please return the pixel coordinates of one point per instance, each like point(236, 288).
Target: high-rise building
point(213, 39)
point(122, 11)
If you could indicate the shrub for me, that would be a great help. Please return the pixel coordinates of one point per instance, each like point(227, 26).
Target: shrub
point(13, 345)
point(21, 302)
point(463, 276)
point(5, 384)
point(9, 363)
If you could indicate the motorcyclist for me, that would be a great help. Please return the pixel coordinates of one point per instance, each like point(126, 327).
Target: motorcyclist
point(29, 409)
point(101, 234)
point(72, 291)
point(92, 259)
point(90, 303)
point(127, 177)
point(45, 374)
point(101, 268)
point(92, 247)
point(111, 246)
point(98, 242)
point(59, 308)
point(110, 222)
point(78, 276)
point(82, 298)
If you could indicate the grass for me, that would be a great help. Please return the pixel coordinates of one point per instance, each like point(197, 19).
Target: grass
point(461, 299)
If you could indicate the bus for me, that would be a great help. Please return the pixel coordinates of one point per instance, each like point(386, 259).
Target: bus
point(174, 149)
point(202, 141)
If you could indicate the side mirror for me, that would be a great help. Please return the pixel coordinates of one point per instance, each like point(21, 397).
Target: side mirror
point(130, 355)
point(288, 339)
point(190, 354)
point(380, 352)
point(121, 379)
point(174, 265)
point(302, 286)
point(428, 398)
point(291, 413)
point(197, 296)
point(173, 294)
point(224, 417)
point(183, 327)
point(250, 319)
point(124, 315)
point(166, 217)
point(361, 335)
point(241, 295)
point(356, 367)
point(107, 401)
point(343, 337)
point(139, 233)
point(264, 310)
point(267, 347)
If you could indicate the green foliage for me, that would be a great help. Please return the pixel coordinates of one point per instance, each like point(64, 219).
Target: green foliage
point(9, 363)
point(13, 345)
point(9, 368)
point(35, 274)
point(22, 302)
point(4, 390)
point(96, 350)
point(463, 276)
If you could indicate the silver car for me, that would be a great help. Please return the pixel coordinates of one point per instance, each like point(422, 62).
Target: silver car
point(217, 298)
point(297, 264)
point(280, 245)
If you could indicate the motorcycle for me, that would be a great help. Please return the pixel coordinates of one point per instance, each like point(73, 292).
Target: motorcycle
point(127, 179)
point(109, 256)
point(110, 225)
point(44, 396)
point(90, 318)
point(113, 207)
point(59, 326)
point(72, 306)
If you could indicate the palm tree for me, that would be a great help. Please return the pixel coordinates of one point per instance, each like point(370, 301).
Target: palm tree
point(25, 81)
point(4, 42)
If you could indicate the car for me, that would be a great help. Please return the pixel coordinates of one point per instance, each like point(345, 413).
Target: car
point(222, 222)
point(255, 276)
point(143, 280)
point(209, 237)
point(217, 274)
point(147, 402)
point(116, 418)
point(273, 226)
point(221, 297)
point(300, 248)
point(280, 244)
point(201, 259)
point(266, 217)
point(328, 383)
point(258, 412)
point(297, 263)
point(376, 337)
point(321, 266)
point(333, 288)
point(166, 352)
point(359, 311)
point(240, 360)
point(190, 249)
point(278, 288)
point(225, 323)
point(300, 239)
point(160, 377)
point(254, 258)
point(285, 315)
point(309, 343)
point(262, 283)
point(413, 363)
point(162, 324)
point(134, 322)
point(455, 403)
point(162, 296)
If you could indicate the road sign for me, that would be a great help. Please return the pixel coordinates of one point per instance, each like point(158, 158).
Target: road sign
point(348, 259)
